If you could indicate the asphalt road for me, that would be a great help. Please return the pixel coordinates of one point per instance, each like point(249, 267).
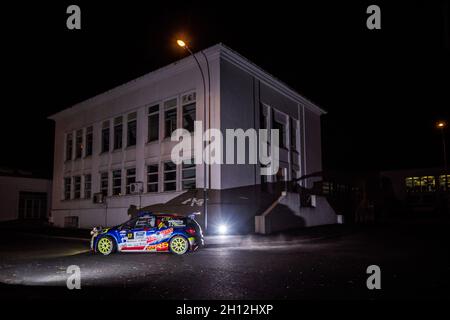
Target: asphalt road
point(414, 259)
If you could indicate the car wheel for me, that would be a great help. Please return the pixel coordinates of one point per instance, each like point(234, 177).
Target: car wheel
point(105, 246)
point(179, 245)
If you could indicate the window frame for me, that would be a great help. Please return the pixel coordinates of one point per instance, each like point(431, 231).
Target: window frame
point(127, 179)
point(171, 181)
point(114, 179)
point(153, 174)
point(106, 128)
point(188, 167)
point(132, 118)
point(87, 192)
point(69, 146)
point(152, 115)
point(165, 110)
point(76, 187)
point(118, 133)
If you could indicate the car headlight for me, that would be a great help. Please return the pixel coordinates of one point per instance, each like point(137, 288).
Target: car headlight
point(222, 229)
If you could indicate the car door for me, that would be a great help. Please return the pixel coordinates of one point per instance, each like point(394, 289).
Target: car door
point(136, 237)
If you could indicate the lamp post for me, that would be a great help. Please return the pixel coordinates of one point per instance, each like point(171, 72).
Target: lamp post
point(441, 125)
point(183, 44)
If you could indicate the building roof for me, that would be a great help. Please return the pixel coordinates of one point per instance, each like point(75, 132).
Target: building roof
point(175, 67)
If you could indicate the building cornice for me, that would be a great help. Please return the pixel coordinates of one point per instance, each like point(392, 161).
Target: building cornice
point(213, 53)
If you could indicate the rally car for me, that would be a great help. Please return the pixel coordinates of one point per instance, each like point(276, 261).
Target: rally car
point(149, 232)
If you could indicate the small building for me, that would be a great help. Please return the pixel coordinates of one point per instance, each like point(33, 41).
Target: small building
point(24, 196)
point(420, 190)
point(111, 142)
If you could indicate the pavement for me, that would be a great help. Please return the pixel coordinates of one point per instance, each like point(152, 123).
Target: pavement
point(328, 262)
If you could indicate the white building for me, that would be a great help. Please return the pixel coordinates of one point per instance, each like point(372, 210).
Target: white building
point(123, 136)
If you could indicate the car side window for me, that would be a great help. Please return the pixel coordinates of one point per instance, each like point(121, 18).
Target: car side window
point(145, 222)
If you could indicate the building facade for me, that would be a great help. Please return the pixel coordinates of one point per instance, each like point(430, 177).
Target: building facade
point(112, 141)
point(24, 196)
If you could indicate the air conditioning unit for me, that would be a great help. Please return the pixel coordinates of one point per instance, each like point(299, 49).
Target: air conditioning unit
point(136, 188)
point(98, 197)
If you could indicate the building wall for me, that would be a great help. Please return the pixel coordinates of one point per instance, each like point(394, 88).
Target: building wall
point(312, 145)
point(10, 187)
point(241, 97)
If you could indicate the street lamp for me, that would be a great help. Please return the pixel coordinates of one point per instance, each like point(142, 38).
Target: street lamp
point(441, 125)
point(183, 44)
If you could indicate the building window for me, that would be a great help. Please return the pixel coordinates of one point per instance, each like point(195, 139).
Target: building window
point(188, 102)
point(77, 187)
point(130, 179)
point(153, 123)
point(152, 178)
point(69, 146)
point(262, 116)
point(67, 186)
point(428, 183)
point(105, 136)
point(444, 182)
point(118, 128)
point(79, 144)
point(281, 132)
point(170, 117)
point(188, 176)
point(293, 134)
point(131, 129)
point(104, 179)
point(117, 182)
point(170, 176)
point(87, 186)
point(420, 184)
point(89, 141)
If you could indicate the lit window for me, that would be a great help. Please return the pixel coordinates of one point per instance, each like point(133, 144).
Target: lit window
point(428, 183)
point(104, 182)
point(67, 186)
point(79, 144)
point(87, 186)
point(69, 146)
point(105, 136)
point(118, 133)
point(131, 129)
point(188, 175)
point(117, 182)
point(326, 188)
point(77, 187)
point(170, 117)
point(409, 184)
point(152, 178)
point(130, 179)
point(89, 142)
point(170, 176)
point(153, 123)
point(444, 182)
point(416, 184)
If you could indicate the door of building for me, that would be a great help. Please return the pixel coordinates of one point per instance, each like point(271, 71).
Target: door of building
point(32, 205)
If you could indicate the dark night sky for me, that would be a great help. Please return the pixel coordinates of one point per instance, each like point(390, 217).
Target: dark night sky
point(382, 89)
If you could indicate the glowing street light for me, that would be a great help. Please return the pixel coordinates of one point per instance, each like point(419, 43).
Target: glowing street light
point(183, 44)
point(441, 125)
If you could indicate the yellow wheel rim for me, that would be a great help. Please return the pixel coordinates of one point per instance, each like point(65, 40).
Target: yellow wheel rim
point(178, 245)
point(104, 246)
